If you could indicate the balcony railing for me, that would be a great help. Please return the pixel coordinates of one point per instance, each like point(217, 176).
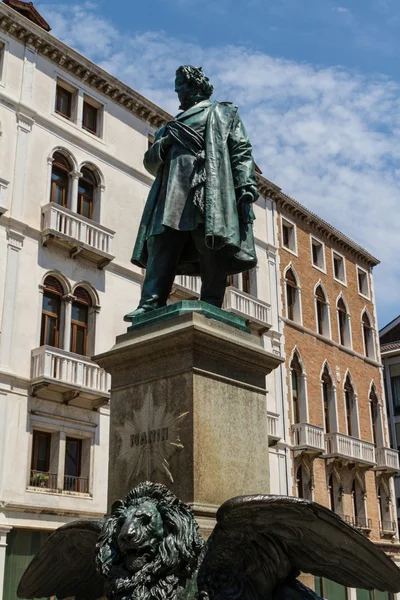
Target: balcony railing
point(387, 459)
point(75, 377)
point(190, 285)
point(257, 312)
point(76, 484)
point(348, 448)
point(308, 438)
point(79, 234)
point(273, 428)
point(41, 479)
point(388, 527)
point(363, 523)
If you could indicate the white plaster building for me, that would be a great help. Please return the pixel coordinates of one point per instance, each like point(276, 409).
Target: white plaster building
point(72, 190)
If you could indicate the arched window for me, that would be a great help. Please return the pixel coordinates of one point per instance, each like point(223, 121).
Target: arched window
point(292, 297)
point(335, 494)
point(51, 312)
point(298, 390)
point(60, 179)
point(375, 421)
point(322, 312)
point(343, 323)
point(86, 193)
point(368, 336)
point(327, 392)
point(350, 408)
point(80, 321)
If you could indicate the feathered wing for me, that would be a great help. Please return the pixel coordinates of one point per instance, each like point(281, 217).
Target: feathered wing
point(261, 541)
point(65, 565)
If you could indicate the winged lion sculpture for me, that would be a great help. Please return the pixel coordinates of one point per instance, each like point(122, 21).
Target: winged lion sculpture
point(150, 548)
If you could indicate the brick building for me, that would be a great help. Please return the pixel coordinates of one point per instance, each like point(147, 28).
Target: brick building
point(341, 454)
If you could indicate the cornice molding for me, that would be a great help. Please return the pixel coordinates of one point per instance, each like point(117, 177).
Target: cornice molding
point(300, 213)
point(80, 67)
point(93, 76)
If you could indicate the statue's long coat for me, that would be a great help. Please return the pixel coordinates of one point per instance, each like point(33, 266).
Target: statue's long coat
point(229, 167)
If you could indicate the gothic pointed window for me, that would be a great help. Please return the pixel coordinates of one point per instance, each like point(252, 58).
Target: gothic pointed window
point(350, 408)
point(374, 412)
point(327, 392)
point(299, 482)
point(368, 336)
point(322, 312)
point(343, 323)
point(292, 297)
point(297, 381)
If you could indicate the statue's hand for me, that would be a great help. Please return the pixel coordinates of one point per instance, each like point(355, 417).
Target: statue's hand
point(248, 194)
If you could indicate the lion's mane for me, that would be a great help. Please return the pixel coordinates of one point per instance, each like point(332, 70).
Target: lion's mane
point(178, 554)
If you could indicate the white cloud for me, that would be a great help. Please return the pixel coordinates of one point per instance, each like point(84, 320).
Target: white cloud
point(341, 9)
point(329, 137)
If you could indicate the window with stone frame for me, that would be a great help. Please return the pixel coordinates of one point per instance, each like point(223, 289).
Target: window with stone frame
point(343, 324)
point(92, 115)
point(80, 321)
point(40, 475)
point(368, 336)
point(51, 312)
point(374, 414)
point(339, 268)
point(292, 297)
point(59, 187)
point(298, 385)
point(358, 506)
point(363, 284)
point(289, 241)
point(86, 193)
point(318, 254)
point(322, 312)
point(73, 480)
point(328, 401)
point(350, 404)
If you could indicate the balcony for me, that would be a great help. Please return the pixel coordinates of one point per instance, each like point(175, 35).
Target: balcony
point(42, 480)
point(186, 287)
point(387, 460)
point(76, 484)
point(81, 236)
point(255, 311)
point(364, 524)
point(308, 438)
point(349, 449)
point(387, 528)
point(273, 428)
point(68, 378)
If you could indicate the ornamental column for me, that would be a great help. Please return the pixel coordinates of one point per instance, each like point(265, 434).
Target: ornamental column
point(4, 530)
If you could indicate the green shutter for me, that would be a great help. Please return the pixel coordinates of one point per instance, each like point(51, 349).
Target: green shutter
point(330, 590)
point(22, 545)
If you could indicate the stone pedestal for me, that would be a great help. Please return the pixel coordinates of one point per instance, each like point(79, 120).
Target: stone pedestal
point(188, 407)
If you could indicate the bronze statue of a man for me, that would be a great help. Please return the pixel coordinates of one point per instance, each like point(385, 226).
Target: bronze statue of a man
point(198, 215)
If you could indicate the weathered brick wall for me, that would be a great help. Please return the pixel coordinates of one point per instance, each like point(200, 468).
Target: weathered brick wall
point(314, 351)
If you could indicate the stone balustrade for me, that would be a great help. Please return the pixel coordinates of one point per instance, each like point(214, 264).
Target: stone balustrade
point(387, 459)
point(307, 437)
point(255, 311)
point(345, 447)
point(81, 235)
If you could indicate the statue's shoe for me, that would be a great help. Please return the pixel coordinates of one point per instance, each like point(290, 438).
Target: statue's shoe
point(137, 313)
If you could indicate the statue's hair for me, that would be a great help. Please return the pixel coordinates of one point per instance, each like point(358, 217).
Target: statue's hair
point(196, 80)
point(178, 553)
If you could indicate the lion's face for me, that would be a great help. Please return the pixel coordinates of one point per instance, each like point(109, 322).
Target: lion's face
point(140, 535)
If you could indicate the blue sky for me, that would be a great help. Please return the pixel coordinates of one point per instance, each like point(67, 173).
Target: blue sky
point(317, 82)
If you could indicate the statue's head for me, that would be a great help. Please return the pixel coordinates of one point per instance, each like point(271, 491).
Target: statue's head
point(192, 86)
point(149, 534)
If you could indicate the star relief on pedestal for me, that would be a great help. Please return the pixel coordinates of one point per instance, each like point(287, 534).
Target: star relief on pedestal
point(150, 439)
